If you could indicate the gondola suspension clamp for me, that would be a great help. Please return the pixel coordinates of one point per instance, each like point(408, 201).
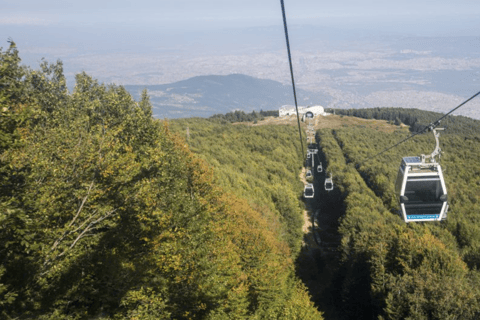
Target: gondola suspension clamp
point(437, 151)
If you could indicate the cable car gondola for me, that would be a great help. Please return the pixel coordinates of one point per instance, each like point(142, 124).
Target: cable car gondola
point(308, 191)
point(329, 183)
point(420, 188)
point(319, 168)
point(309, 176)
point(308, 159)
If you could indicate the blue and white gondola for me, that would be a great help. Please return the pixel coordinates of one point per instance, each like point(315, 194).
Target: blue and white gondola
point(420, 188)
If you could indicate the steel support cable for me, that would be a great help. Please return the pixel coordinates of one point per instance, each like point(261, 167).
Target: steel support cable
point(291, 73)
point(431, 126)
point(436, 123)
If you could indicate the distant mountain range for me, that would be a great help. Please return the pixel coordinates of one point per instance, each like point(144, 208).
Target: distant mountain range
point(204, 96)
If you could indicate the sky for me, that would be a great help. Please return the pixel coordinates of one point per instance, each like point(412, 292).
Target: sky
point(154, 41)
point(93, 26)
point(71, 29)
point(196, 14)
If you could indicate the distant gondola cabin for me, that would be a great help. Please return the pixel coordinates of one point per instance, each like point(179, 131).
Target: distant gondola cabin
point(329, 183)
point(421, 190)
point(308, 191)
point(319, 167)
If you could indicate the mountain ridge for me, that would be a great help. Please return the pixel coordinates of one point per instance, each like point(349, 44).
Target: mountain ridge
point(203, 96)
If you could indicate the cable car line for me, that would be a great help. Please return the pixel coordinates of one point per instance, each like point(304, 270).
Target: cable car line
point(291, 73)
point(464, 102)
point(429, 127)
point(420, 186)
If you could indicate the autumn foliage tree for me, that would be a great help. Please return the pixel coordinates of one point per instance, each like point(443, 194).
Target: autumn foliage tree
point(105, 213)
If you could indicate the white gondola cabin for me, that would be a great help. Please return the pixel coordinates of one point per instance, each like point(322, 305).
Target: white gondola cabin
point(319, 168)
point(329, 183)
point(308, 159)
point(421, 190)
point(308, 191)
point(309, 176)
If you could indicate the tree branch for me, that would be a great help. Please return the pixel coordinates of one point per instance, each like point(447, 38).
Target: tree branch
point(83, 234)
point(67, 233)
point(88, 228)
point(83, 202)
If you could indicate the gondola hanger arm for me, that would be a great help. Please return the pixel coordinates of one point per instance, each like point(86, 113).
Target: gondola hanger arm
point(437, 150)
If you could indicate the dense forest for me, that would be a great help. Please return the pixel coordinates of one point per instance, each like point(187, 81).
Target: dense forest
point(107, 214)
point(241, 116)
point(383, 268)
point(389, 269)
point(261, 164)
point(416, 119)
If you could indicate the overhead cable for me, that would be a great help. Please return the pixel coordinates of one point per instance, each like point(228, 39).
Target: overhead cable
point(429, 127)
point(291, 73)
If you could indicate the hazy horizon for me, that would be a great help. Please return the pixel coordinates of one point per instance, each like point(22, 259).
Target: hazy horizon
point(358, 53)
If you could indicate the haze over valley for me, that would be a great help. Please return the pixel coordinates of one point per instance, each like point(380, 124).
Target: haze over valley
point(359, 56)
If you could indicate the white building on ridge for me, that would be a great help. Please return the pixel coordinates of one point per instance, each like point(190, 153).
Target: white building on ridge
point(289, 110)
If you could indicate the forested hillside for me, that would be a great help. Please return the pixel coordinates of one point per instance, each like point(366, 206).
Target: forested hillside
point(384, 267)
point(240, 116)
point(258, 163)
point(416, 119)
point(105, 214)
point(390, 269)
